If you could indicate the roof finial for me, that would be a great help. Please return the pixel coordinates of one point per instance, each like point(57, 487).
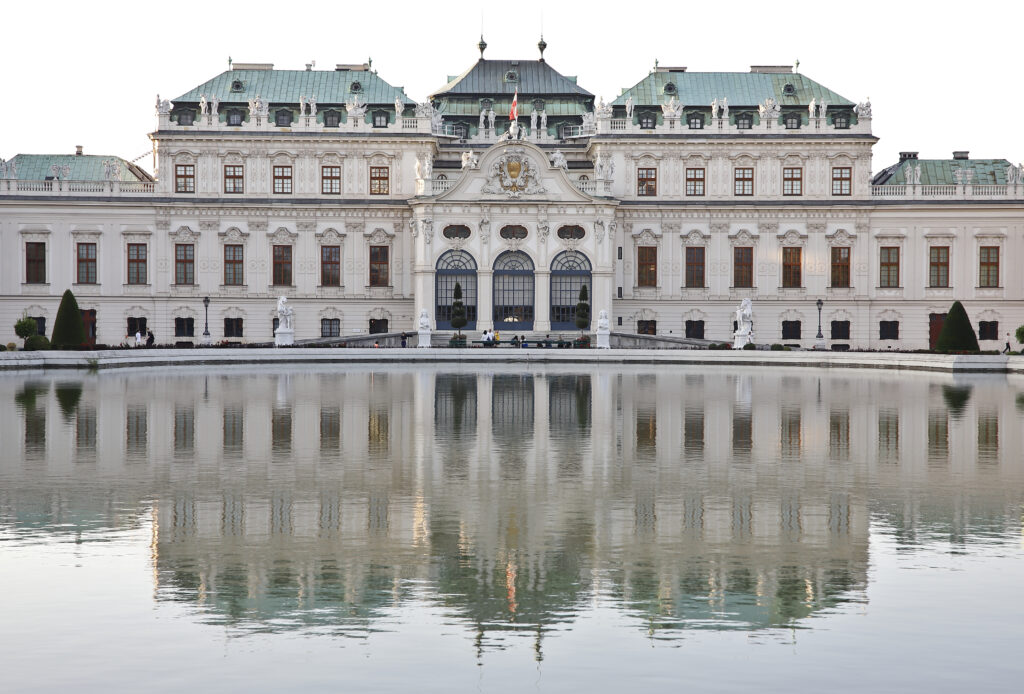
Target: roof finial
point(655, 64)
point(542, 44)
point(482, 45)
point(796, 66)
point(229, 62)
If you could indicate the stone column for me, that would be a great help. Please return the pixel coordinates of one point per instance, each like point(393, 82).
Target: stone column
point(484, 299)
point(542, 300)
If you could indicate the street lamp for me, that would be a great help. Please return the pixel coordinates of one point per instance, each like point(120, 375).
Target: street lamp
point(819, 338)
point(206, 327)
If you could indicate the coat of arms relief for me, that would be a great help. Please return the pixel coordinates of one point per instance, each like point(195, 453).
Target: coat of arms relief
point(513, 175)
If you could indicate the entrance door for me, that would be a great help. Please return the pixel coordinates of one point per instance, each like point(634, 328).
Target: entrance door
point(89, 323)
point(935, 322)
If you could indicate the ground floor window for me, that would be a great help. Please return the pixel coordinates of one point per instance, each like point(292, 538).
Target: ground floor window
point(378, 325)
point(136, 325)
point(647, 327)
point(840, 330)
point(330, 327)
point(790, 330)
point(988, 330)
point(889, 330)
point(695, 329)
point(232, 327)
point(184, 327)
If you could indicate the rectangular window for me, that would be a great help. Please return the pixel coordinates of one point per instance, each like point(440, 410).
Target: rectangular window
point(330, 180)
point(232, 327)
point(87, 263)
point(234, 267)
point(841, 267)
point(694, 267)
point(184, 327)
point(743, 181)
point(380, 119)
point(330, 266)
point(988, 330)
point(889, 267)
point(185, 178)
point(938, 266)
point(840, 330)
point(841, 178)
point(647, 266)
point(792, 181)
point(988, 275)
point(40, 324)
point(646, 182)
point(137, 263)
point(282, 180)
point(35, 262)
point(888, 330)
point(695, 182)
point(282, 266)
point(695, 329)
point(136, 325)
point(234, 179)
point(184, 263)
point(330, 327)
point(743, 267)
point(790, 330)
point(379, 266)
point(791, 268)
point(379, 180)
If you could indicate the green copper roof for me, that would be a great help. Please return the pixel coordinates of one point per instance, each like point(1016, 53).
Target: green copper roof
point(286, 86)
point(740, 88)
point(85, 167)
point(939, 172)
point(492, 78)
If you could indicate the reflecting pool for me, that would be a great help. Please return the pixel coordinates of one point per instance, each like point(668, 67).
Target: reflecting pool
point(589, 528)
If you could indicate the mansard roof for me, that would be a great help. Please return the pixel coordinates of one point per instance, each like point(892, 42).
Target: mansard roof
point(83, 167)
point(489, 78)
point(939, 172)
point(286, 86)
point(740, 88)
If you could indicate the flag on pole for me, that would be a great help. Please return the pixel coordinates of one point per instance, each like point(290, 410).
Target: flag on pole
point(513, 115)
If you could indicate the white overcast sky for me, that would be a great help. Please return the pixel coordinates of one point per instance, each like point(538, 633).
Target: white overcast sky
point(941, 75)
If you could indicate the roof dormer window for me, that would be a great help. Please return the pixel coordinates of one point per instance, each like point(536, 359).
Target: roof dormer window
point(186, 117)
point(332, 119)
point(841, 121)
point(647, 121)
point(355, 87)
point(695, 121)
point(235, 116)
point(792, 121)
point(283, 118)
point(670, 88)
point(237, 86)
point(788, 90)
point(744, 121)
point(511, 76)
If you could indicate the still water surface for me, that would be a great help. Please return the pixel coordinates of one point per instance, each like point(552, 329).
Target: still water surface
point(509, 529)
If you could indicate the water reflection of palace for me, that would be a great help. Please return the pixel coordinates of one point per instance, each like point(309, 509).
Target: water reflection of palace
point(512, 499)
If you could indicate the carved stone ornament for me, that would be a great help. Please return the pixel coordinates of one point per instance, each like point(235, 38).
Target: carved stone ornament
point(209, 225)
point(184, 235)
point(163, 224)
point(719, 228)
point(647, 238)
point(305, 225)
point(413, 228)
point(428, 230)
point(233, 235)
point(791, 238)
point(283, 236)
point(670, 227)
point(743, 238)
point(331, 237)
point(379, 237)
point(768, 227)
point(599, 229)
point(695, 238)
point(485, 229)
point(258, 225)
point(354, 227)
point(514, 175)
point(840, 238)
point(816, 227)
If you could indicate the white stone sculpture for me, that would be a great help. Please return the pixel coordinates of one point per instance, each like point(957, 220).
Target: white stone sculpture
point(672, 108)
point(399, 108)
point(163, 106)
point(863, 109)
point(424, 167)
point(544, 120)
point(60, 172)
point(204, 105)
point(470, 161)
point(424, 329)
point(558, 160)
point(588, 122)
point(302, 105)
point(483, 119)
point(912, 174)
point(356, 108)
point(285, 333)
point(436, 122)
point(8, 169)
point(810, 107)
point(111, 169)
point(424, 110)
point(744, 334)
point(214, 105)
point(769, 109)
point(603, 110)
point(490, 118)
point(714, 108)
point(629, 106)
point(603, 330)
point(822, 108)
point(533, 121)
point(724, 103)
point(312, 104)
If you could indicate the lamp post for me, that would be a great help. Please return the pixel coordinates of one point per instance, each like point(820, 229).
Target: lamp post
point(819, 338)
point(206, 325)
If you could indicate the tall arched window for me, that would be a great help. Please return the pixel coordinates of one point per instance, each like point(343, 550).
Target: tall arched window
point(569, 271)
point(455, 267)
point(513, 291)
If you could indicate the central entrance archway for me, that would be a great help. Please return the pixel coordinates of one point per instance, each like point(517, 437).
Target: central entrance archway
point(513, 291)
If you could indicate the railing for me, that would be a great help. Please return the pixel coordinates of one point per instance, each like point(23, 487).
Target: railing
point(932, 191)
point(409, 123)
point(441, 185)
point(996, 191)
point(948, 192)
point(618, 124)
point(586, 186)
point(58, 187)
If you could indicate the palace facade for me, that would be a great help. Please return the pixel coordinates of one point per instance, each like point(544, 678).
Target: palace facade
point(672, 203)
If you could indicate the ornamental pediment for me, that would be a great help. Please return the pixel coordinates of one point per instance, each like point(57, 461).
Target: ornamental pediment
point(513, 171)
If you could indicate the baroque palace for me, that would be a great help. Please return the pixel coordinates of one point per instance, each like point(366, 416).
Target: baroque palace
point(672, 203)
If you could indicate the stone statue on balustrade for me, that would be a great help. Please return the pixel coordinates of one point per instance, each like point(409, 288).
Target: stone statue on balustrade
point(470, 161)
point(533, 121)
point(399, 108)
point(672, 108)
point(544, 120)
point(558, 160)
point(356, 108)
point(312, 104)
point(423, 329)
point(863, 109)
point(302, 105)
point(285, 333)
point(214, 105)
point(163, 106)
point(629, 106)
point(810, 108)
point(603, 330)
point(744, 317)
point(204, 105)
point(490, 118)
point(603, 110)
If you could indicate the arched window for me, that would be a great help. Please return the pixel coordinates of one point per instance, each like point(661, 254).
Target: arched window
point(569, 272)
point(513, 291)
point(455, 267)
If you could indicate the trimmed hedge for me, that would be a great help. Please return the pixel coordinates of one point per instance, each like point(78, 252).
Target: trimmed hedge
point(68, 329)
point(957, 334)
point(35, 343)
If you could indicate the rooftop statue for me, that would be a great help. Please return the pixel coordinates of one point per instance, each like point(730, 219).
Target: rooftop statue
point(863, 109)
point(399, 108)
point(629, 106)
point(214, 105)
point(558, 159)
point(204, 105)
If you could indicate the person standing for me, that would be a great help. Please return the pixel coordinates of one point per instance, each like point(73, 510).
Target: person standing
point(150, 339)
point(138, 338)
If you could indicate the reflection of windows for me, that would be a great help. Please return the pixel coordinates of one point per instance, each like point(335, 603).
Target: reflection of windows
point(693, 432)
point(330, 428)
point(646, 429)
point(135, 431)
point(988, 438)
point(839, 434)
point(184, 429)
point(85, 432)
point(938, 437)
point(742, 431)
point(888, 435)
point(789, 433)
point(379, 431)
point(233, 429)
point(281, 430)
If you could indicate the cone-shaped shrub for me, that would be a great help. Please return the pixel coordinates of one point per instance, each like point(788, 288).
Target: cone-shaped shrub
point(583, 310)
point(458, 309)
point(957, 334)
point(68, 330)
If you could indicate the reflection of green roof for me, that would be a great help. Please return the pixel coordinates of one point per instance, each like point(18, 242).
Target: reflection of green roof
point(84, 167)
point(286, 86)
point(740, 88)
point(534, 78)
point(939, 172)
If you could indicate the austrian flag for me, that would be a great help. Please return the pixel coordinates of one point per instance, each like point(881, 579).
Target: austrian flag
point(513, 115)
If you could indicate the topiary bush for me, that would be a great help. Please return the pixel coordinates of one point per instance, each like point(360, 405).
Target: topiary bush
point(777, 347)
point(583, 310)
point(957, 334)
point(68, 329)
point(1020, 334)
point(35, 343)
point(458, 310)
point(749, 346)
point(25, 327)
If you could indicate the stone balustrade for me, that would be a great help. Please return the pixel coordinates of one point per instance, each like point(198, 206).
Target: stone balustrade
point(71, 188)
point(948, 192)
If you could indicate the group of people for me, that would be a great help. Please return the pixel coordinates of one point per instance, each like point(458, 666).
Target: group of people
point(150, 339)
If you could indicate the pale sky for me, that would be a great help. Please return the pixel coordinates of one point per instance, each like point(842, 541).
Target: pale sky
point(941, 76)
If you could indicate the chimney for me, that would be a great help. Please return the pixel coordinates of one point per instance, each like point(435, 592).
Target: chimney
point(78, 150)
point(961, 154)
point(907, 155)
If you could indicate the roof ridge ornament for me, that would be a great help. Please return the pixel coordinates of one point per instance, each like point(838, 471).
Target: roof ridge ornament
point(542, 44)
point(482, 46)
